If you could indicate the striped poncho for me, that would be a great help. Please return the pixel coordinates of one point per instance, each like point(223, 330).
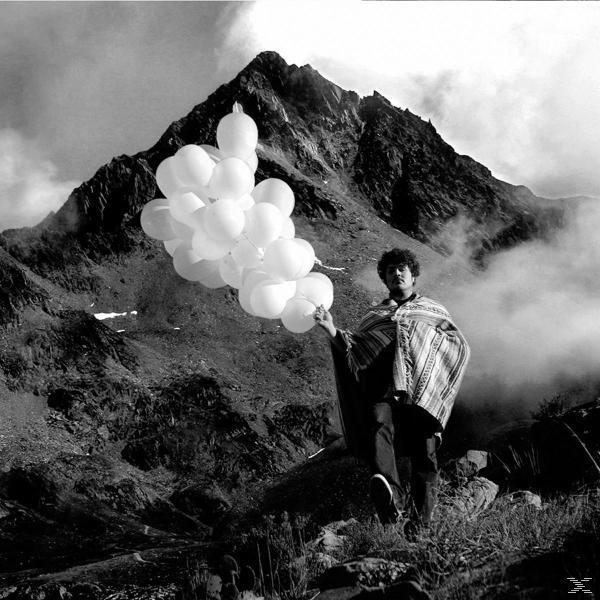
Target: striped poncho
point(429, 356)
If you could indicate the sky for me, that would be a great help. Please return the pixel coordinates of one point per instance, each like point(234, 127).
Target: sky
point(515, 85)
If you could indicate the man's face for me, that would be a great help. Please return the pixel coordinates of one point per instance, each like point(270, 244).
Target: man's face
point(398, 278)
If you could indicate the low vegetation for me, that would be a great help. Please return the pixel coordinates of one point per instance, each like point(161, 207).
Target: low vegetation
point(502, 549)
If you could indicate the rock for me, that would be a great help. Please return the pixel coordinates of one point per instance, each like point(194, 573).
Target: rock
point(250, 595)
point(342, 593)
point(475, 496)
point(478, 458)
point(86, 591)
point(322, 561)
point(366, 571)
point(339, 527)
point(328, 542)
point(214, 585)
point(209, 505)
point(526, 497)
point(331, 539)
point(404, 590)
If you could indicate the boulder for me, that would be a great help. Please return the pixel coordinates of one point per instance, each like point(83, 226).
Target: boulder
point(404, 590)
point(367, 571)
point(525, 497)
point(331, 537)
point(477, 459)
point(475, 496)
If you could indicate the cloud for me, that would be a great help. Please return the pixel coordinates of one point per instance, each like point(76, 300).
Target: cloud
point(29, 188)
point(532, 317)
point(514, 85)
point(94, 80)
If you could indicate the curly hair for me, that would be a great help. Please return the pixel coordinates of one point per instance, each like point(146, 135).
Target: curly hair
point(398, 256)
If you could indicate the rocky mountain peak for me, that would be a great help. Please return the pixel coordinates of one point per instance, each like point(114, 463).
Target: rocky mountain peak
point(313, 131)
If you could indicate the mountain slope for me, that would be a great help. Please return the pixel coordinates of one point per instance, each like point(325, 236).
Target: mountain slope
point(186, 403)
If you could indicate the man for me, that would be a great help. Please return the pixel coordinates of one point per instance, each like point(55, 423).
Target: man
point(397, 377)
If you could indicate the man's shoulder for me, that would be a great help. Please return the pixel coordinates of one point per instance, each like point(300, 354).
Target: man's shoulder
point(430, 304)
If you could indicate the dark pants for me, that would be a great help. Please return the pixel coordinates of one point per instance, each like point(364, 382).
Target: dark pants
point(406, 430)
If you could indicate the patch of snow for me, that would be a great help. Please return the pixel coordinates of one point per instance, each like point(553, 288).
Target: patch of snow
point(102, 316)
point(120, 330)
point(317, 452)
point(176, 328)
point(318, 262)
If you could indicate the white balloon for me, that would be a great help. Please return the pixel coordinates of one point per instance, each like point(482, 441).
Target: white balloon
point(268, 298)
point(246, 254)
point(182, 204)
point(214, 153)
point(253, 279)
point(187, 263)
point(310, 255)
point(211, 276)
point(297, 316)
point(322, 277)
point(288, 230)
point(224, 220)
point(156, 220)
point(183, 232)
point(172, 245)
point(263, 224)
point(277, 192)
point(231, 179)
point(205, 246)
point(231, 272)
point(252, 162)
point(193, 166)
point(190, 266)
point(245, 202)
point(237, 135)
point(285, 259)
point(195, 219)
point(315, 290)
point(166, 177)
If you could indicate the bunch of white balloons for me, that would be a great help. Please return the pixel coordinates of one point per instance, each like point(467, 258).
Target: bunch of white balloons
point(221, 229)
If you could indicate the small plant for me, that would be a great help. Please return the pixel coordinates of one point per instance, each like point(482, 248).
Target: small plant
point(277, 550)
point(552, 408)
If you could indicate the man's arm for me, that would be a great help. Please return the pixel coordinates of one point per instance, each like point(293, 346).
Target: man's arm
point(325, 321)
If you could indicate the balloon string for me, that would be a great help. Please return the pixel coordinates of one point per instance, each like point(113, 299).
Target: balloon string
point(245, 236)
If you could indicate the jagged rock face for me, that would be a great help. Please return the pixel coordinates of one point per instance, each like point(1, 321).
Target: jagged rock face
point(329, 144)
point(194, 402)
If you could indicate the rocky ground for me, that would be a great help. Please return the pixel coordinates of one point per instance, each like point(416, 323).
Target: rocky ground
point(137, 452)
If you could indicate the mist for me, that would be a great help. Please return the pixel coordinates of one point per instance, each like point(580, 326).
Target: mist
point(532, 317)
point(92, 80)
point(30, 187)
point(513, 85)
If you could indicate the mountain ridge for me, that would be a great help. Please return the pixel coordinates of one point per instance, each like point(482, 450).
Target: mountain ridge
point(365, 148)
point(178, 412)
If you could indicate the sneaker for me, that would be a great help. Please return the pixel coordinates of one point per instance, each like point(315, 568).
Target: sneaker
point(383, 499)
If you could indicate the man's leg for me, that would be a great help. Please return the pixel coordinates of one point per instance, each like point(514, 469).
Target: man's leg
point(424, 479)
point(424, 468)
point(385, 482)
